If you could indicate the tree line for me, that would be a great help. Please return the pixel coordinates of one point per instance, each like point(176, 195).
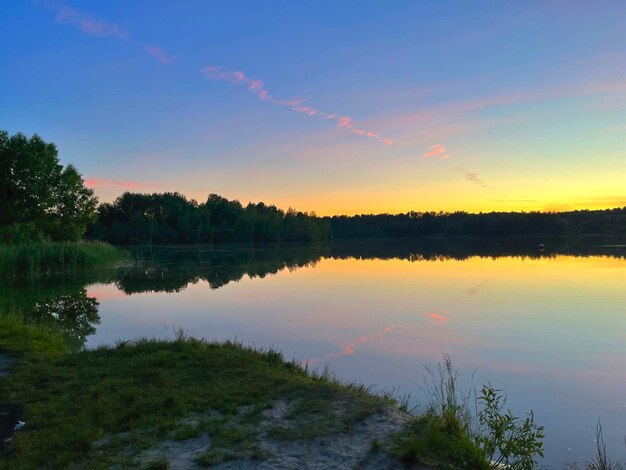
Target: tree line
point(40, 199)
point(493, 224)
point(172, 218)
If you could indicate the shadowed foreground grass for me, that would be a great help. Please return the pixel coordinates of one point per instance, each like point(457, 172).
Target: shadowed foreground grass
point(46, 257)
point(138, 392)
point(429, 440)
point(112, 405)
point(16, 336)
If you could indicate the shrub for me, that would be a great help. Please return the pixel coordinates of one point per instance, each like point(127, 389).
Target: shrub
point(504, 438)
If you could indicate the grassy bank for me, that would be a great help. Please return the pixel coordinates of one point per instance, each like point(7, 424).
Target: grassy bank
point(134, 394)
point(118, 405)
point(46, 257)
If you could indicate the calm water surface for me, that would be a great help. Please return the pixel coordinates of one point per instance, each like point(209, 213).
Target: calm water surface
point(549, 328)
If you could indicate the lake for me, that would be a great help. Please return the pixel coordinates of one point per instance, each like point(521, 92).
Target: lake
point(547, 327)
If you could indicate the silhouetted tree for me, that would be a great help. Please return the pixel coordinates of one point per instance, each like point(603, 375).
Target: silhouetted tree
point(39, 198)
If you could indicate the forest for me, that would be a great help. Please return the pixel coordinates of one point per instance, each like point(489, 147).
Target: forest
point(492, 224)
point(172, 218)
point(41, 201)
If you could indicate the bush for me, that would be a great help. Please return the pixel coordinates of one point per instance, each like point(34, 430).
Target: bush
point(445, 437)
point(504, 438)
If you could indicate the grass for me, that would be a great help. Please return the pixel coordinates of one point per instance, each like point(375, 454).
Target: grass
point(160, 464)
point(601, 461)
point(442, 436)
point(17, 336)
point(137, 393)
point(47, 257)
point(449, 436)
point(429, 440)
point(109, 406)
point(97, 408)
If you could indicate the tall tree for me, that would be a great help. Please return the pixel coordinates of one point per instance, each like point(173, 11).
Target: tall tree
point(39, 198)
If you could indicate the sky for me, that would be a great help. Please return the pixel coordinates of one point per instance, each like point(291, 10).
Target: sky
point(338, 107)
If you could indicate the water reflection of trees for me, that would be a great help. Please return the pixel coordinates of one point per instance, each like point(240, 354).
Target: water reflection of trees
point(63, 300)
point(75, 314)
point(442, 249)
point(58, 300)
point(171, 269)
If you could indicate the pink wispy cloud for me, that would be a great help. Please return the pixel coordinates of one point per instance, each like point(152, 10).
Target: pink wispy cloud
point(159, 54)
point(239, 78)
point(258, 88)
point(455, 118)
point(348, 349)
point(436, 150)
point(92, 26)
point(106, 183)
point(88, 24)
point(437, 318)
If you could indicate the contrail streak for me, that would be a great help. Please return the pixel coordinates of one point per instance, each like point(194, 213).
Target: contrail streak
point(258, 88)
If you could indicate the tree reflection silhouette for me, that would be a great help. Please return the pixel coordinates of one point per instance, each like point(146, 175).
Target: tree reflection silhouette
point(75, 314)
point(62, 299)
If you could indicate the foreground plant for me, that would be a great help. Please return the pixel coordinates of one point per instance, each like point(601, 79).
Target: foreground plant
point(601, 461)
point(445, 400)
point(505, 439)
point(448, 436)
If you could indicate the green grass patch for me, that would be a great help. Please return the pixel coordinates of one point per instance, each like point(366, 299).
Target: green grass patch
point(429, 440)
point(48, 257)
point(449, 436)
point(17, 336)
point(314, 415)
point(137, 393)
point(231, 443)
point(118, 406)
point(160, 464)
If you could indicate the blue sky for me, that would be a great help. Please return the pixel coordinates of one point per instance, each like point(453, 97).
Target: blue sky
point(470, 105)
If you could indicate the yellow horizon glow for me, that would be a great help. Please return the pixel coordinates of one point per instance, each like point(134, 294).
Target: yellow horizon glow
point(357, 204)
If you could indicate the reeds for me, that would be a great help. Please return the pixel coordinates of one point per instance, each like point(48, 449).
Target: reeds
point(46, 257)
